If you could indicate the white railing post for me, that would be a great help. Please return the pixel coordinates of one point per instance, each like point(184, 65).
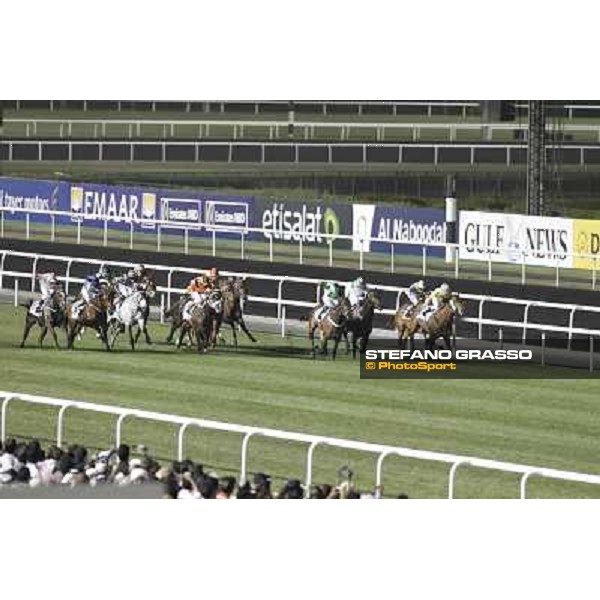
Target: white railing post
point(523, 487)
point(456, 250)
point(105, 239)
point(2, 268)
point(557, 282)
point(162, 309)
point(525, 318)
point(118, 428)
point(424, 266)
point(270, 248)
point(16, 291)
point(186, 249)
point(169, 285)
point(452, 476)
point(59, 424)
point(5, 403)
point(571, 319)
point(309, 460)
point(79, 231)
point(392, 258)
point(131, 235)
point(27, 226)
point(244, 457)
point(68, 275)
point(283, 321)
point(180, 435)
point(279, 297)
point(480, 319)
point(2, 223)
point(34, 272)
point(300, 257)
point(214, 242)
point(593, 270)
point(523, 276)
point(543, 358)
point(53, 228)
point(242, 244)
point(489, 265)
point(591, 353)
point(379, 467)
point(158, 236)
point(330, 242)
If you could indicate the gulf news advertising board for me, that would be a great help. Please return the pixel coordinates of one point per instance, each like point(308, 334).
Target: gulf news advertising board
point(548, 241)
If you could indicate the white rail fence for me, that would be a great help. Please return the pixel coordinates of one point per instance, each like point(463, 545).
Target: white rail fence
point(201, 128)
point(77, 221)
point(281, 302)
point(325, 105)
point(313, 441)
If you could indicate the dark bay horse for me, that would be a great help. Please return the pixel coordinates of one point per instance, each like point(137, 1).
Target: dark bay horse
point(92, 315)
point(203, 322)
point(51, 317)
point(331, 327)
point(359, 324)
point(235, 293)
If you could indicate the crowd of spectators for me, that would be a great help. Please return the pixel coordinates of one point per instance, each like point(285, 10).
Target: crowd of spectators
point(27, 464)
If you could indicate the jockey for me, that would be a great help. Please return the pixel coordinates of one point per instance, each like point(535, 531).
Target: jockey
point(356, 292)
point(440, 296)
point(48, 285)
point(330, 299)
point(89, 292)
point(416, 292)
point(197, 290)
point(104, 276)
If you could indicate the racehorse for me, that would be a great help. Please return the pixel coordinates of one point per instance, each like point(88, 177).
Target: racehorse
point(48, 318)
point(203, 322)
point(92, 315)
point(404, 321)
point(359, 323)
point(148, 289)
point(439, 324)
point(130, 312)
point(331, 327)
point(235, 293)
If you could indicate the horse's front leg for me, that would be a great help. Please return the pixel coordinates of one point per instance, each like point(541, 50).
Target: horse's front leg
point(55, 337)
point(131, 340)
point(245, 330)
point(28, 325)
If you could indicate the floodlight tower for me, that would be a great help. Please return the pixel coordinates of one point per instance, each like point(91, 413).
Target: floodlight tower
point(536, 157)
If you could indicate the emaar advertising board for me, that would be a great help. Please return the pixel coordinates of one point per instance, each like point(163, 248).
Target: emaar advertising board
point(123, 207)
point(376, 227)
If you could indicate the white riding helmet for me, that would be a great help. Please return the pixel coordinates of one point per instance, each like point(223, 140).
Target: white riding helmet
point(138, 269)
point(420, 285)
point(445, 288)
point(360, 281)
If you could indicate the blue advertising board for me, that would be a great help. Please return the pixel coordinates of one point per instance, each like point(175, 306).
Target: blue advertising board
point(408, 228)
point(92, 203)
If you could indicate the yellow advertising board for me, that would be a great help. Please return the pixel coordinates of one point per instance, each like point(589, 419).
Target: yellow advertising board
point(586, 240)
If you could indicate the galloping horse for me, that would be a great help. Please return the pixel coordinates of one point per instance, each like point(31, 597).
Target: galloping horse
point(92, 315)
point(404, 321)
point(49, 317)
point(148, 289)
point(439, 324)
point(203, 321)
point(331, 327)
point(235, 293)
point(360, 323)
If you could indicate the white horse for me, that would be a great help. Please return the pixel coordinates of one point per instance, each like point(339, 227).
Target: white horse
point(133, 310)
